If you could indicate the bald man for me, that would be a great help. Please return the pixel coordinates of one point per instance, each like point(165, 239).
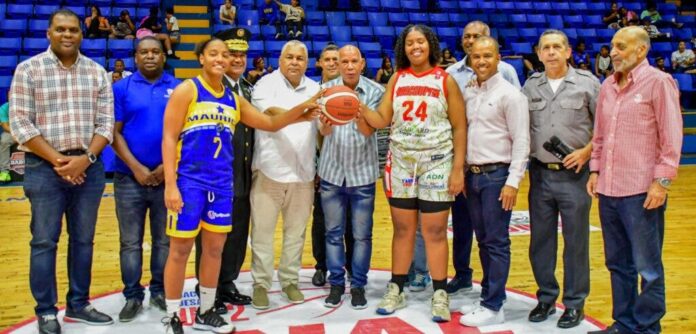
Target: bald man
point(497, 153)
point(635, 156)
point(461, 223)
point(348, 168)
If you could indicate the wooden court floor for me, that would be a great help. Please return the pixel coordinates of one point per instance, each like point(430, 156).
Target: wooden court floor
point(679, 256)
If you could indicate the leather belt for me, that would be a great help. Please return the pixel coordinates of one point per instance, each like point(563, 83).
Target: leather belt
point(486, 168)
point(556, 166)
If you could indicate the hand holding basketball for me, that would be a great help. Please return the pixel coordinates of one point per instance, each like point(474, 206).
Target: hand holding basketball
point(340, 105)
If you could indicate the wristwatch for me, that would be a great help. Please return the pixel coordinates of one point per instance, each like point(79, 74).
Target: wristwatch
point(664, 182)
point(92, 157)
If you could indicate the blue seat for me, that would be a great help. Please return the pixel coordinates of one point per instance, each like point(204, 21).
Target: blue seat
point(505, 6)
point(385, 35)
point(220, 27)
point(543, 7)
point(483, 17)
point(605, 35)
point(318, 33)
point(256, 49)
point(373, 64)
point(20, 11)
point(10, 45)
point(44, 11)
point(499, 20)
point(518, 64)
point(448, 6)
point(79, 10)
point(7, 64)
point(273, 48)
point(315, 18)
point(93, 47)
point(634, 6)
point(439, 19)
point(378, 19)
point(13, 27)
point(661, 48)
point(370, 5)
point(121, 48)
point(594, 21)
point(518, 20)
point(684, 33)
point(100, 60)
point(310, 4)
point(524, 7)
point(486, 6)
point(336, 18)
point(398, 19)
point(370, 49)
point(458, 19)
point(597, 7)
point(117, 12)
point(686, 87)
point(32, 46)
point(562, 8)
point(579, 7)
point(510, 35)
point(37, 28)
point(268, 32)
point(521, 48)
point(247, 17)
point(573, 21)
point(419, 18)
point(255, 32)
point(357, 18)
point(390, 5)
point(362, 33)
point(151, 3)
point(588, 35)
point(449, 35)
point(129, 63)
point(5, 81)
point(572, 34)
point(529, 35)
point(244, 4)
point(140, 13)
point(410, 5)
point(667, 8)
point(467, 5)
point(340, 34)
point(318, 46)
point(537, 20)
point(127, 3)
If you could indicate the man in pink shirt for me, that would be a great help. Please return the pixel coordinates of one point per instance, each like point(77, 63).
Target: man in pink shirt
point(635, 156)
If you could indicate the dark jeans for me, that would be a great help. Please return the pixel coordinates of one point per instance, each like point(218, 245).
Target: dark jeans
point(132, 204)
point(633, 239)
point(335, 200)
point(319, 235)
point(294, 26)
point(51, 197)
point(462, 236)
point(490, 223)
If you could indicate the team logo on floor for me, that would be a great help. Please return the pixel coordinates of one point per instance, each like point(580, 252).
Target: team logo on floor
point(312, 317)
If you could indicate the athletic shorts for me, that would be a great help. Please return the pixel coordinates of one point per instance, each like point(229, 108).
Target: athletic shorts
point(202, 209)
point(419, 175)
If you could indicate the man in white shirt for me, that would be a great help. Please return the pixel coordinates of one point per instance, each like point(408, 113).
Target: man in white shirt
point(497, 154)
point(283, 177)
point(120, 66)
point(228, 13)
point(683, 59)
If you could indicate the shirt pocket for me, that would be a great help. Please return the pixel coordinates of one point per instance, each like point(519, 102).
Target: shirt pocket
point(536, 110)
point(573, 110)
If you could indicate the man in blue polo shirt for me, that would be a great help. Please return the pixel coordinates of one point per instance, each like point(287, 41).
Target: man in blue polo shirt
point(140, 100)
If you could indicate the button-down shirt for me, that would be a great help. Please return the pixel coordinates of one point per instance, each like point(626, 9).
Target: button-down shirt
point(65, 105)
point(498, 126)
point(463, 74)
point(139, 105)
point(347, 155)
point(288, 154)
point(638, 132)
point(567, 114)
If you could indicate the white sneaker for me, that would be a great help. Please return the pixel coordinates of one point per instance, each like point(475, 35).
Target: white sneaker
point(468, 307)
point(392, 300)
point(440, 306)
point(482, 316)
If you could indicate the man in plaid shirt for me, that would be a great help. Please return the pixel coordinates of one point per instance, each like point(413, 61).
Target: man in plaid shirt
point(61, 113)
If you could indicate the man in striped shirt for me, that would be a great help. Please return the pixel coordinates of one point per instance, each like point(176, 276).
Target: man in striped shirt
point(348, 168)
point(62, 115)
point(635, 157)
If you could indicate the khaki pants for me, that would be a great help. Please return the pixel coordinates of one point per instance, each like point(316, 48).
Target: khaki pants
point(268, 198)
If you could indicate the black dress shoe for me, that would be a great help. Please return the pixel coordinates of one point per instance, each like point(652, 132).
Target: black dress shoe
point(130, 310)
point(48, 324)
point(88, 315)
point(319, 278)
point(232, 296)
point(609, 330)
point(571, 317)
point(541, 312)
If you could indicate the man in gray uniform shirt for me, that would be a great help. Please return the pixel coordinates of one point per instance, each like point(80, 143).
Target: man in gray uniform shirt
point(562, 104)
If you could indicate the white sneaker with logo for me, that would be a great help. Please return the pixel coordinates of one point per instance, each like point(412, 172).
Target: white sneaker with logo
point(482, 316)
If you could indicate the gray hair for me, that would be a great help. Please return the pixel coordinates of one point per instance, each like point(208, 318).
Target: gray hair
point(486, 28)
point(555, 32)
point(296, 43)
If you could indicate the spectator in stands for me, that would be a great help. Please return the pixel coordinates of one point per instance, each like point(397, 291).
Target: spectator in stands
point(258, 71)
point(580, 56)
point(660, 65)
point(123, 28)
point(6, 141)
point(627, 16)
point(172, 25)
point(116, 76)
point(683, 59)
point(294, 18)
point(447, 59)
point(385, 71)
point(97, 25)
point(532, 63)
point(228, 13)
point(613, 17)
point(653, 32)
point(655, 17)
point(149, 26)
point(269, 14)
point(120, 66)
point(603, 67)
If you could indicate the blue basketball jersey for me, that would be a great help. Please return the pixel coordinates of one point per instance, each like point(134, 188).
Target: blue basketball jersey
point(205, 152)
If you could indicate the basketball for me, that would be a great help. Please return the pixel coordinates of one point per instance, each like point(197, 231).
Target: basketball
point(340, 105)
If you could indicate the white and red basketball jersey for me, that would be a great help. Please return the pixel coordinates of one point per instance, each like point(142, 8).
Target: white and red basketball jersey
point(420, 122)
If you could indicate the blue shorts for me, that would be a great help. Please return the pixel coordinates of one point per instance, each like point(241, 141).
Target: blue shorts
point(202, 209)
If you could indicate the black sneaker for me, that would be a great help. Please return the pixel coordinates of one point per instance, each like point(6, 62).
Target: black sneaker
point(88, 315)
point(219, 307)
point(48, 324)
point(357, 298)
point(172, 325)
point(458, 284)
point(211, 321)
point(159, 303)
point(130, 310)
point(319, 278)
point(335, 296)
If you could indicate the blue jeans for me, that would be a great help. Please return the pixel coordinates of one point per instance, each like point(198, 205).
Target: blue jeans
point(491, 224)
point(334, 200)
point(51, 197)
point(132, 204)
point(462, 237)
point(633, 246)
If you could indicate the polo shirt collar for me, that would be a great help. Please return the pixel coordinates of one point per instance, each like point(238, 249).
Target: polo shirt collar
point(635, 74)
point(491, 82)
point(54, 57)
point(360, 88)
point(302, 85)
point(164, 78)
point(463, 67)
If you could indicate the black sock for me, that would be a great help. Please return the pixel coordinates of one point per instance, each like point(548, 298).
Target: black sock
point(439, 284)
point(399, 280)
